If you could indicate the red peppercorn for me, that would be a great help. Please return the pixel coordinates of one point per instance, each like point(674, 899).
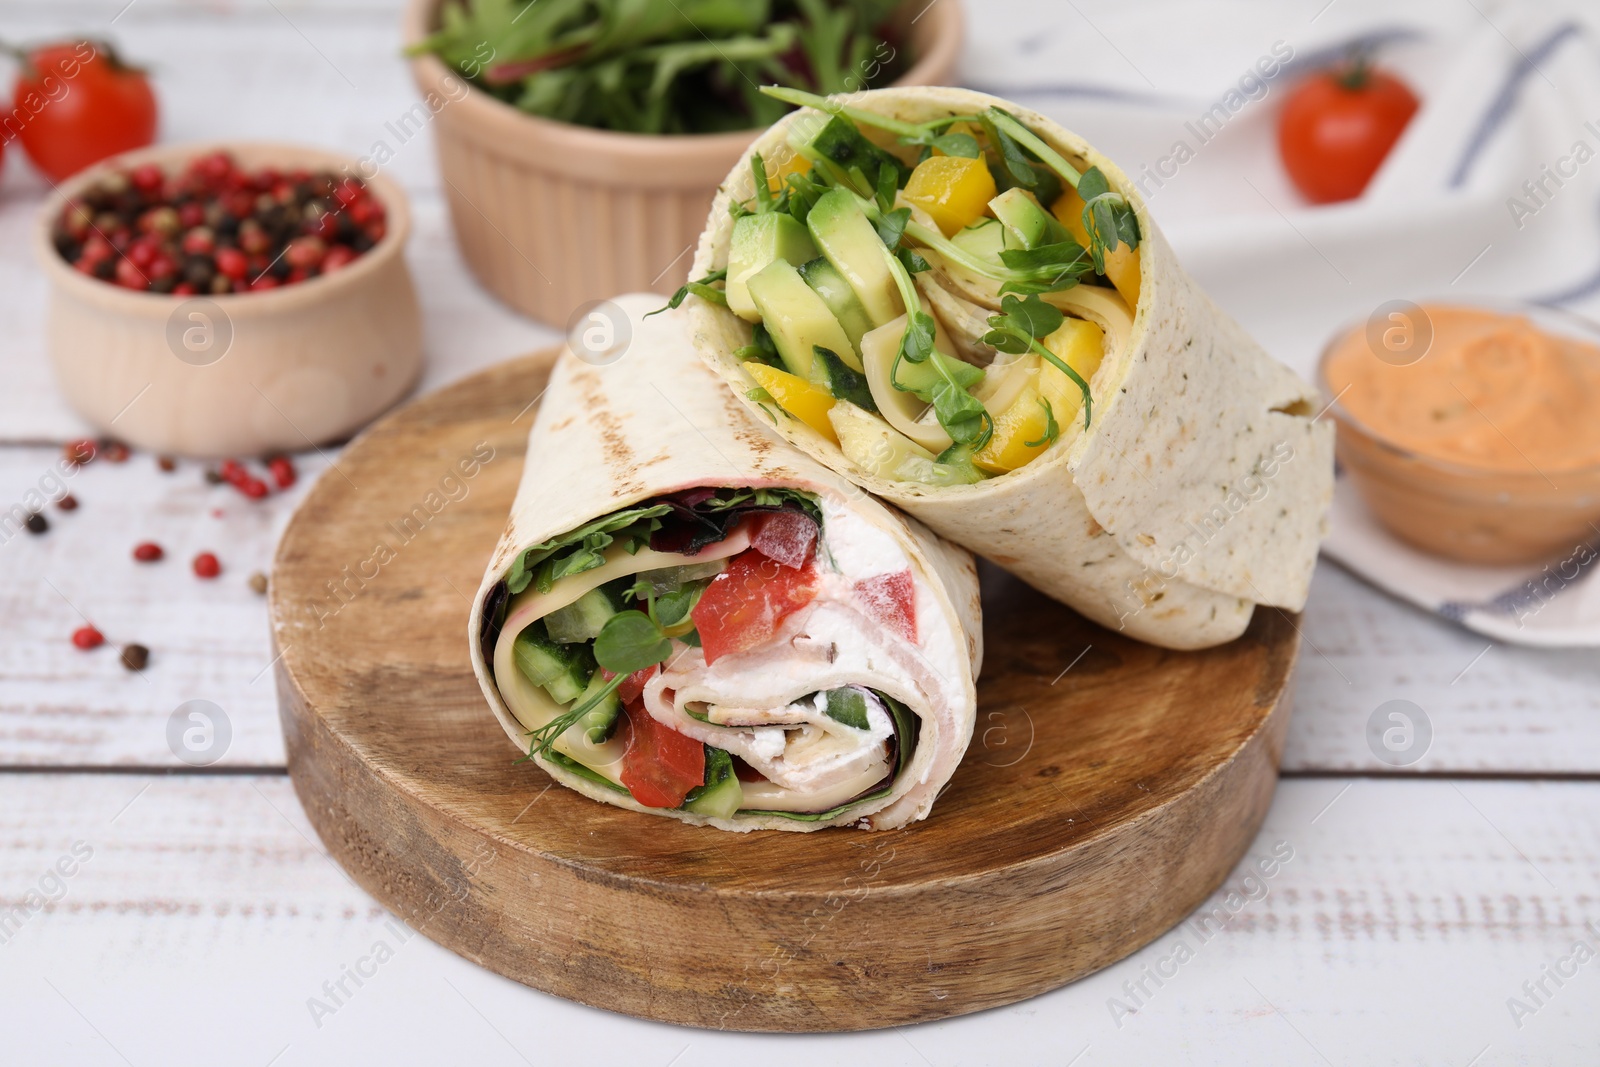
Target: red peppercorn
point(255, 488)
point(68, 503)
point(129, 276)
point(199, 241)
point(147, 177)
point(79, 452)
point(184, 289)
point(232, 263)
point(282, 469)
point(114, 451)
point(265, 281)
point(206, 565)
point(233, 472)
point(147, 552)
point(87, 637)
point(337, 258)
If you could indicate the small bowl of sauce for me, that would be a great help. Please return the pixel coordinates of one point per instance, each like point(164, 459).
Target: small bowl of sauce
point(1472, 431)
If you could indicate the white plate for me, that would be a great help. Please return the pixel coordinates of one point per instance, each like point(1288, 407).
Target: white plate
point(1554, 606)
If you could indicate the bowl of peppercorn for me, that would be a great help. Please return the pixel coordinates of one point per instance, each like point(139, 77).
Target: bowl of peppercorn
point(212, 300)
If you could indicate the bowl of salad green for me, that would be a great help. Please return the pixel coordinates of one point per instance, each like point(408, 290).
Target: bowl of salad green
point(581, 141)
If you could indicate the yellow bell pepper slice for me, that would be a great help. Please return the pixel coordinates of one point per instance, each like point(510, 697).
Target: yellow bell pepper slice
point(1019, 433)
point(792, 163)
point(1122, 262)
point(807, 402)
point(1080, 344)
point(953, 190)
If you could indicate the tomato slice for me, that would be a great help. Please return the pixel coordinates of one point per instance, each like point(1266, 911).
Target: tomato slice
point(892, 600)
point(743, 606)
point(785, 536)
point(632, 687)
point(659, 765)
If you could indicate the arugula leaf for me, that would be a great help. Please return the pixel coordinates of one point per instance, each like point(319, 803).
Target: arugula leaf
point(962, 415)
point(891, 226)
point(758, 171)
point(583, 549)
point(700, 287)
point(1013, 160)
point(1051, 430)
point(958, 144)
point(761, 349)
point(913, 261)
point(631, 641)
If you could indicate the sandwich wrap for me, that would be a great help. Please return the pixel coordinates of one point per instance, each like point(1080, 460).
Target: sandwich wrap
point(1198, 490)
point(798, 655)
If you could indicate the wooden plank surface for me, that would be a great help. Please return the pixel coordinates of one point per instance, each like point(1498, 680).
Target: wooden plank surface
point(1499, 709)
point(208, 916)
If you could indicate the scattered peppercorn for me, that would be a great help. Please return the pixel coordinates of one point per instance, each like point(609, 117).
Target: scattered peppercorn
point(282, 469)
point(254, 488)
point(147, 552)
point(36, 523)
point(87, 637)
point(213, 477)
point(68, 503)
point(167, 464)
point(215, 228)
point(114, 451)
point(206, 565)
point(258, 582)
point(135, 657)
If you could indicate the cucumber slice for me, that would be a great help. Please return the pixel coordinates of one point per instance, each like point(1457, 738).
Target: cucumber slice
point(840, 298)
point(563, 670)
point(580, 620)
point(597, 723)
point(847, 238)
point(796, 317)
point(842, 380)
point(758, 240)
point(721, 795)
point(671, 579)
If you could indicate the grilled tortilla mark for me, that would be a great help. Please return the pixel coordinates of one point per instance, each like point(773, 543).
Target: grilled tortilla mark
point(618, 453)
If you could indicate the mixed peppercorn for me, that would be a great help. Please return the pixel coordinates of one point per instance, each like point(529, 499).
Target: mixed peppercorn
point(213, 228)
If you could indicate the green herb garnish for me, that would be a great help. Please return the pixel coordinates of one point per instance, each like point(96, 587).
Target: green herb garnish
point(1021, 326)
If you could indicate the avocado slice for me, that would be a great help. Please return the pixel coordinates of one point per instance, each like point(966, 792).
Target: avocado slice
point(1027, 225)
point(846, 237)
point(985, 239)
point(797, 318)
point(837, 294)
point(920, 378)
point(721, 794)
point(758, 240)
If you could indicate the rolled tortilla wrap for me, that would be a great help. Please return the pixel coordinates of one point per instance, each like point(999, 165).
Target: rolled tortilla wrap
point(1199, 488)
point(840, 681)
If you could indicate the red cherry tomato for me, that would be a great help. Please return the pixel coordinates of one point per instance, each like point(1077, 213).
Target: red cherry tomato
point(632, 687)
point(1337, 127)
point(891, 599)
point(785, 536)
point(743, 605)
point(81, 105)
point(659, 765)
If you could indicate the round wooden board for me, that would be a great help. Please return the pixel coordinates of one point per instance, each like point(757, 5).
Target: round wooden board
point(1109, 788)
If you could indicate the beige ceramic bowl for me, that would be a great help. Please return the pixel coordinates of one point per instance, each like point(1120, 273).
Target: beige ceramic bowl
point(243, 373)
point(551, 216)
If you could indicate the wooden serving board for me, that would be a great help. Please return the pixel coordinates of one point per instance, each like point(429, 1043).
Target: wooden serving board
point(1109, 788)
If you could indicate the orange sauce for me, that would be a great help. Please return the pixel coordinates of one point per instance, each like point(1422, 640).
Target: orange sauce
point(1492, 392)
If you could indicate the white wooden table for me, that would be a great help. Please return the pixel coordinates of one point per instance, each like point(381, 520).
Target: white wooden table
point(204, 923)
